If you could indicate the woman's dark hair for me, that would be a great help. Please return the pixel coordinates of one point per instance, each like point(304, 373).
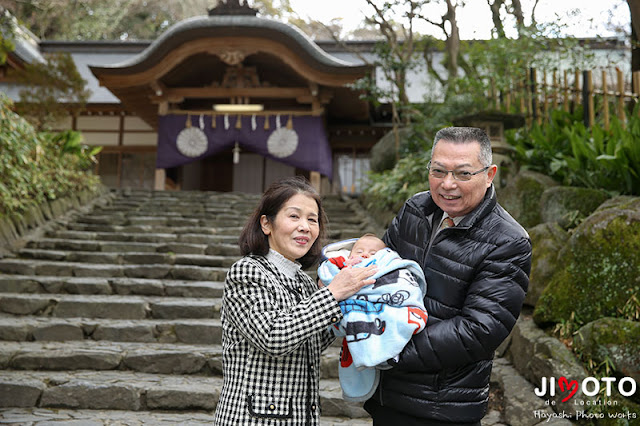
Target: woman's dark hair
point(254, 241)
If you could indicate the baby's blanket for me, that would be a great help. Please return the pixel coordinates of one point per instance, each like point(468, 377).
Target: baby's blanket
point(378, 321)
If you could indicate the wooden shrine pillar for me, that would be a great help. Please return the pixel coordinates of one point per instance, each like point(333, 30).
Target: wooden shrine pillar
point(316, 180)
point(161, 176)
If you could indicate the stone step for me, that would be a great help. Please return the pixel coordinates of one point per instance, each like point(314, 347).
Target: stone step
point(124, 390)
point(119, 309)
point(155, 229)
point(42, 416)
point(160, 221)
point(194, 212)
point(144, 237)
point(110, 236)
point(109, 306)
point(335, 231)
point(128, 258)
point(124, 246)
point(181, 203)
point(210, 207)
point(122, 286)
point(81, 269)
point(189, 331)
point(156, 358)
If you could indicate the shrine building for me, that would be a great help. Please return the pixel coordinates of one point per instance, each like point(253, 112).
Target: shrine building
point(224, 102)
point(231, 102)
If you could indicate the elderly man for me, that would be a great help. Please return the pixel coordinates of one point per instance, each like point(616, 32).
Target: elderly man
point(476, 259)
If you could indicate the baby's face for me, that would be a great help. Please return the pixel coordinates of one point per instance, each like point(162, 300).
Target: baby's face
point(366, 247)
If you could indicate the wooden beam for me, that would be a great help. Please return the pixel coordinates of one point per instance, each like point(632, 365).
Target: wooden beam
point(158, 87)
point(114, 149)
point(229, 92)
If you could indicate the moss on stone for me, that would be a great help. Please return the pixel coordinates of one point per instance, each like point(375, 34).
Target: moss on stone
point(621, 412)
point(521, 197)
point(622, 202)
point(601, 272)
point(568, 205)
point(383, 153)
point(547, 239)
point(614, 340)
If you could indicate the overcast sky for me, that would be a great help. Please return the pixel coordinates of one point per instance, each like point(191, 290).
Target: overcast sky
point(580, 18)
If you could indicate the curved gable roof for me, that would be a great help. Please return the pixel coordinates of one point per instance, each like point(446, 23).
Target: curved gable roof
point(200, 27)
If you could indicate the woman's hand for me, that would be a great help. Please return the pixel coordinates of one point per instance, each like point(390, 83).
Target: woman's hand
point(353, 261)
point(349, 281)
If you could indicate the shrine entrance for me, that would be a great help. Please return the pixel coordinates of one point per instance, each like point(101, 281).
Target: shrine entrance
point(252, 174)
point(239, 101)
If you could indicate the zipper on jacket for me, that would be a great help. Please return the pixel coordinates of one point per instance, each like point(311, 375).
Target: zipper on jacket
point(432, 238)
point(381, 379)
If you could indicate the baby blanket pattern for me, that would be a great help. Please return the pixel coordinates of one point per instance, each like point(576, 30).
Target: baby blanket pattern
point(378, 321)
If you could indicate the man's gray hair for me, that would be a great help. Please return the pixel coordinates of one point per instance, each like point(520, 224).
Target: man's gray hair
point(467, 135)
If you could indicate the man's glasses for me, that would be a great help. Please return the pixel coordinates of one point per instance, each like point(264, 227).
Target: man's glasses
point(461, 175)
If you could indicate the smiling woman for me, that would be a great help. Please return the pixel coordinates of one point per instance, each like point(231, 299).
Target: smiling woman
point(275, 318)
point(295, 228)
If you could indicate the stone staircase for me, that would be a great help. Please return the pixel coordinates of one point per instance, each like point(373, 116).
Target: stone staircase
point(112, 316)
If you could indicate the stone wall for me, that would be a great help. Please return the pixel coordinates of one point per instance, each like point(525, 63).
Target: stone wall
point(13, 229)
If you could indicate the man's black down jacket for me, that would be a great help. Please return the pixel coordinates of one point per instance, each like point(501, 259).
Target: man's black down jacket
point(477, 276)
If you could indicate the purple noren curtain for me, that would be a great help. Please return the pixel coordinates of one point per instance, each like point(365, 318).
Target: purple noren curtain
point(312, 151)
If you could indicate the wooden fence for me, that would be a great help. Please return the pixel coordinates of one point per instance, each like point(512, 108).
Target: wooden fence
point(601, 93)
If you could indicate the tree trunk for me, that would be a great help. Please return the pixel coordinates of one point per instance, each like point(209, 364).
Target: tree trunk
point(495, 15)
point(635, 54)
point(453, 41)
point(634, 8)
point(517, 12)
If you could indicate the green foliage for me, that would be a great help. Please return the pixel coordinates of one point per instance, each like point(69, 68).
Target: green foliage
point(599, 277)
point(36, 167)
point(7, 30)
point(117, 19)
point(52, 88)
point(501, 64)
point(575, 155)
point(391, 188)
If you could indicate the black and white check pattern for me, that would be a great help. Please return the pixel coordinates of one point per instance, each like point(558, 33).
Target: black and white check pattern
point(274, 329)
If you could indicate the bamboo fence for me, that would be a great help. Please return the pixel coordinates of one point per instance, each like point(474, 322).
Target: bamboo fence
point(601, 93)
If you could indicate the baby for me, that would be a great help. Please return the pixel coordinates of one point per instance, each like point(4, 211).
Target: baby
point(380, 319)
point(365, 247)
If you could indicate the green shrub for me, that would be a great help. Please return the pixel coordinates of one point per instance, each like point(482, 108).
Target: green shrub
point(391, 188)
point(35, 167)
point(575, 155)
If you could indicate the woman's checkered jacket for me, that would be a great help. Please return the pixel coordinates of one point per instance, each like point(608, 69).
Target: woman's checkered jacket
point(273, 331)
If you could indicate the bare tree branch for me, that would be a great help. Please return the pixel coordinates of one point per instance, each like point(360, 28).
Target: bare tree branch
point(453, 41)
point(428, 58)
point(634, 9)
point(495, 15)
point(533, 13)
point(517, 12)
point(344, 45)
